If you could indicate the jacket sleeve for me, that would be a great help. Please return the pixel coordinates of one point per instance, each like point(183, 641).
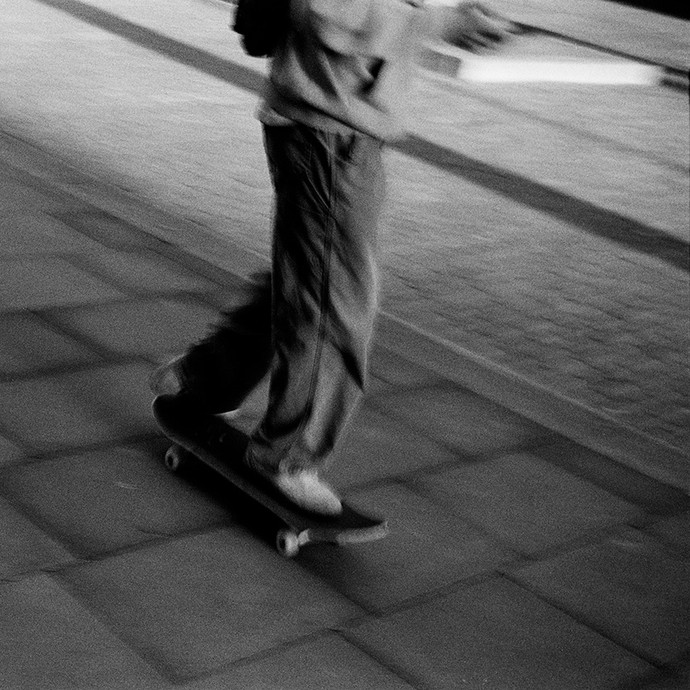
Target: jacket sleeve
point(371, 28)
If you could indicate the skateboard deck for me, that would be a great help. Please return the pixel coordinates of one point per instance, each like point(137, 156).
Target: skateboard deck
point(213, 442)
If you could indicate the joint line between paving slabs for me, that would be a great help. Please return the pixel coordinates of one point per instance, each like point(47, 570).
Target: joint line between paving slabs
point(591, 625)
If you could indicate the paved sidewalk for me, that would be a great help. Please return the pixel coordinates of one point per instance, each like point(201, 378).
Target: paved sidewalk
point(518, 558)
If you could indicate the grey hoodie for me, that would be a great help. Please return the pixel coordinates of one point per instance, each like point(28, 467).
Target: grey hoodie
point(347, 64)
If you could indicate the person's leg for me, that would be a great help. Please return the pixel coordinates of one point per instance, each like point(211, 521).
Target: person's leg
point(329, 192)
point(219, 372)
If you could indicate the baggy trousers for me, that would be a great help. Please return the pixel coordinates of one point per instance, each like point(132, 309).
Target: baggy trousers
point(309, 325)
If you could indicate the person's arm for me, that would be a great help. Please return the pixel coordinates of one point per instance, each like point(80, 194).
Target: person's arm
point(371, 27)
point(469, 25)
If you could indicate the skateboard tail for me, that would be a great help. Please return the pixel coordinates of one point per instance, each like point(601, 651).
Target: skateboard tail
point(349, 536)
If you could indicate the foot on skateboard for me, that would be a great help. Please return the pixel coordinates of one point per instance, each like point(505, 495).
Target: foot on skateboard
point(211, 441)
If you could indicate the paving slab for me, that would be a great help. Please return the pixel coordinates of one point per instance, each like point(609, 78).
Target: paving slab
point(378, 447)
point(465, 422)
point(326, 662)
point(631, 588)
point(675, 676)
point(143, 327)
point(16, 197)
point(34, 283)
point(525, 501)
point(662, 682)
point(647, 121)
point(427, 549)
point(494, 635)
point(108, 500)
point(22, 169)
point(197, 604)
point(674, 531)
point(225, 299)
point(9, 452)
point(99, 225)
point(34, 233)
point(24, 547)
point(50, 641)
point(28, 343)
point(633, 486)
point(389, 371)
point(142, 271)
point(79, 408)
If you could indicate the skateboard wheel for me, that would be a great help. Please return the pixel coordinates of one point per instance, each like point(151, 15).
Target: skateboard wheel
point(287, 543)
point(174, 459)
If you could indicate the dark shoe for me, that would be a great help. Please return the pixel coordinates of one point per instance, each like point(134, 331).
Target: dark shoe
point(183, 421)
point(168, 379)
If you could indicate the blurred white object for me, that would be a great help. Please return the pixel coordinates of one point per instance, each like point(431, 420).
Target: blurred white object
point(540, 59)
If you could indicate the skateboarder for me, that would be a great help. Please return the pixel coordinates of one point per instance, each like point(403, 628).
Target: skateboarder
point(337, 90)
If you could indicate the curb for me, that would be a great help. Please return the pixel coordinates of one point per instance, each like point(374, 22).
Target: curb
point(187, 241)
point(540, 404)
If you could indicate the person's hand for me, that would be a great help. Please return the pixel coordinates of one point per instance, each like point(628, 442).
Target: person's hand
point(471, 25)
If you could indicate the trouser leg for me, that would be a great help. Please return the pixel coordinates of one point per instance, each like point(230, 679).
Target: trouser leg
point(220, 371)
point(329, 191)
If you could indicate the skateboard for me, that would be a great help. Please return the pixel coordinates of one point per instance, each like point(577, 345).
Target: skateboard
point(219, 446)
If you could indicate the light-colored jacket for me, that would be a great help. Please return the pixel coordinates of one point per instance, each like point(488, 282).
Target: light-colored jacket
point(347, 64)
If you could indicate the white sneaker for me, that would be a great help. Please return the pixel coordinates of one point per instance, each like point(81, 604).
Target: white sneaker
point(306, 490)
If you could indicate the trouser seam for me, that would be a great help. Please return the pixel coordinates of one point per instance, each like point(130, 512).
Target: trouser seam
point(324, 299)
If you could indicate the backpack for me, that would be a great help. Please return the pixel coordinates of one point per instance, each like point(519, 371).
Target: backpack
point(262, 24)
